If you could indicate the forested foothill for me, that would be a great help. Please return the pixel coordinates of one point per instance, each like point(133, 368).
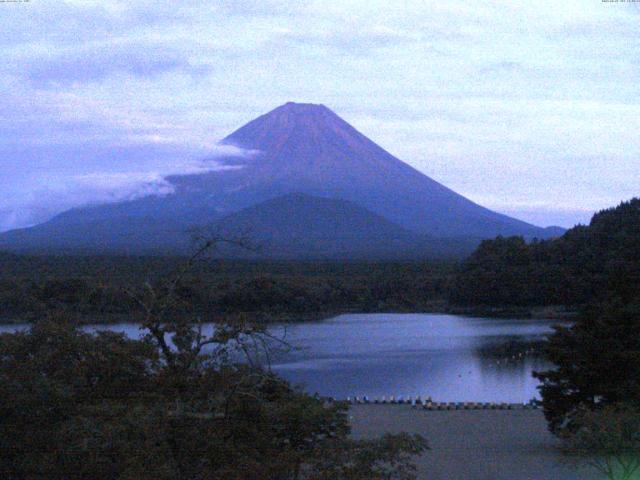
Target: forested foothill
point(591, 397)
point(507, 275)
point(588, 264)
point(94, 289)
point(594, 270)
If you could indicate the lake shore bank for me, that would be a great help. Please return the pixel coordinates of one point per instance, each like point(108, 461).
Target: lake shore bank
point(473, 444)
point(553, 312)
point(526, 313)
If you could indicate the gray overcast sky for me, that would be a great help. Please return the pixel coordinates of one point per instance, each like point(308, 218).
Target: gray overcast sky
point(531, 108)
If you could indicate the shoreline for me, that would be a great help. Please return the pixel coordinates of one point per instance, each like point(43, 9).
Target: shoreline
point(473, 444)
point(268, 318)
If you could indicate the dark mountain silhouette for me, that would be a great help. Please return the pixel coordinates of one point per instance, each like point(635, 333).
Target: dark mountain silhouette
point(103, 235)
point(287, 227)
point(301, 226)
point(296, 148)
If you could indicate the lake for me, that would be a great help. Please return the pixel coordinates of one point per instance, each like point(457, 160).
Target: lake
point(447, 357)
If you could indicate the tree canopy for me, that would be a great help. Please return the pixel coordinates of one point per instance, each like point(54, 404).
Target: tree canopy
point(182, 402)
point(596, 362)
point(591, 263)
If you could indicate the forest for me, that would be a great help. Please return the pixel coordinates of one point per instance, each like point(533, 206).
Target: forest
point(95, 289)
point(588, 264)
point(177, 404)
point(594, 263)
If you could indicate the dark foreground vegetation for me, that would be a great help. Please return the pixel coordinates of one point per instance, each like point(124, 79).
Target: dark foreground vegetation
point(591, 398)
point(178, 404)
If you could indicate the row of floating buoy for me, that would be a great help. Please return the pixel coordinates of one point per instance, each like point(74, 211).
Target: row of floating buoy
point(400, 400)
point(478, 406)
point(429, 404)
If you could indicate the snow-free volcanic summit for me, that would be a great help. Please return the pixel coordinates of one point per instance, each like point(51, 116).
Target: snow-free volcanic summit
point(301, 149)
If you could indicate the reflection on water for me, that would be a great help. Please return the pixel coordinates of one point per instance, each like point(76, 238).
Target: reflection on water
point(447, 357)
point(510, 348)
point(512, 356)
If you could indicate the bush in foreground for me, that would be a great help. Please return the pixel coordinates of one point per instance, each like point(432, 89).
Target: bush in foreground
point(183, 402)
point(608, 439)
point(591, 398)
point(597, 361)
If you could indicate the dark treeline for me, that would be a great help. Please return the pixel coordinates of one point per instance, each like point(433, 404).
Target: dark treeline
point(588, 264)
point(591, 395)
point(96, 288)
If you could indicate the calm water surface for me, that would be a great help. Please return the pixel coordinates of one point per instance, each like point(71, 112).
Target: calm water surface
point(447, 357)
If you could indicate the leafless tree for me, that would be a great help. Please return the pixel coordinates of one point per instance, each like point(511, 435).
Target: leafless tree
point(189, 342)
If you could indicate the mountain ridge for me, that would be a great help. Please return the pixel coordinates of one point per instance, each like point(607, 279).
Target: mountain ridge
point(298, 225)
point(296, 148)
point(307, 147)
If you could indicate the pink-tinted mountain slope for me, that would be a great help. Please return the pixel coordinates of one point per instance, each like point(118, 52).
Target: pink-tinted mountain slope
point(309, 149)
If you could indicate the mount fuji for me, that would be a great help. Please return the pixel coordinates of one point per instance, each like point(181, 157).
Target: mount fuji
point(313, 187)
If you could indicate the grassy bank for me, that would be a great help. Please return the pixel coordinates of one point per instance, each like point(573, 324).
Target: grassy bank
point(474, 444)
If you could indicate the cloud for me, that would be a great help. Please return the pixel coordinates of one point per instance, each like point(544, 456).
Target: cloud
point(42, 200)
point(505, 102)
point(93, 64)
point(346, 39)
point(38, 199)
